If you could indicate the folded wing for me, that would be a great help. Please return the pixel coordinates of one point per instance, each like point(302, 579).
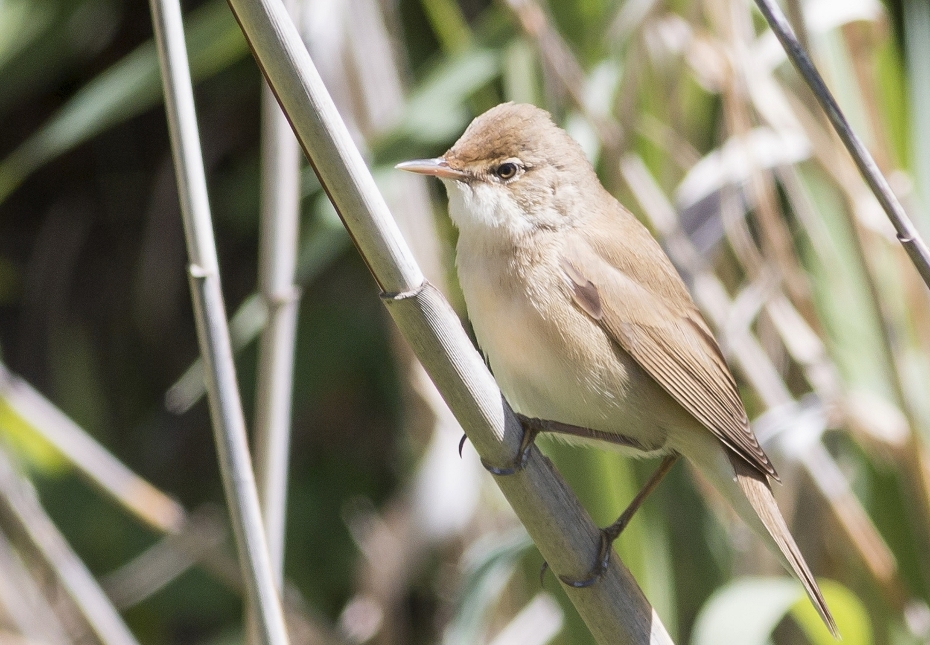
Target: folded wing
point(669, 339)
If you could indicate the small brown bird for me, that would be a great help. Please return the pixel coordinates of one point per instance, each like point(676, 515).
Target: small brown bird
point(585, 321)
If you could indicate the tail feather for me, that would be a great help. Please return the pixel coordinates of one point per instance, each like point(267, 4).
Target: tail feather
point(755, 486)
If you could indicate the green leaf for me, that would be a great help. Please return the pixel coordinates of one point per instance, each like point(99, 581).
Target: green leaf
point(21, 21)
point(449, 24)
point(436, 112)
point(851, 617)
point(27, 442)
point(490, 562)
point(520, 64)
point(746, 612)
point(124, 90)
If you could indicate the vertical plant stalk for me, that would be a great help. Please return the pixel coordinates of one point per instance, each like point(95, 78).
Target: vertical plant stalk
point(614, 609)
point(277, 261)
point(212, 330)
point(907, 234)
point(750, 357)
point(774, 250)
point(21, 514)
point(891, 328)
point(917, 50)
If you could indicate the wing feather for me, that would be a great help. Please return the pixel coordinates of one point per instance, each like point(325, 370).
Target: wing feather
point(669, 339)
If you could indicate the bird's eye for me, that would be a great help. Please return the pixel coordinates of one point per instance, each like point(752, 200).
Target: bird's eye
point(506, 170)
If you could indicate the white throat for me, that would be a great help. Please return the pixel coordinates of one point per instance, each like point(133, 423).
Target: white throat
point(483, 210)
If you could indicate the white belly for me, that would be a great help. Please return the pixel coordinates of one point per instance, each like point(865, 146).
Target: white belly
point(552, 361)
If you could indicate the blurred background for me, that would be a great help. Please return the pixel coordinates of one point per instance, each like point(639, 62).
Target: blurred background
point(694, 120)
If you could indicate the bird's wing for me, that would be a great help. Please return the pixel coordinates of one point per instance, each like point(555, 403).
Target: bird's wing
point(669, 339)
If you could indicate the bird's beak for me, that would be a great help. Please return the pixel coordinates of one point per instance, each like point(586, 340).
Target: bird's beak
point(437, 167)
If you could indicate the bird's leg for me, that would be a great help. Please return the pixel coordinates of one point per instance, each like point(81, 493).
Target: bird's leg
point(612, 532)
point(557, 427)
point(532, 427)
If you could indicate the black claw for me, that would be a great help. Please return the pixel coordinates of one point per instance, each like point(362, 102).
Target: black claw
point(599, 569)
point(503, 472)
point(462, 444)
point(530, 431)
point(581, 584)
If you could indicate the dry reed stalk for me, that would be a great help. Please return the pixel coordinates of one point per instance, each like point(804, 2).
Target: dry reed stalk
point(614, 609)
point(212, 330)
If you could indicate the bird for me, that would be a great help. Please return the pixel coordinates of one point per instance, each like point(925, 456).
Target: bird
point(586, 324)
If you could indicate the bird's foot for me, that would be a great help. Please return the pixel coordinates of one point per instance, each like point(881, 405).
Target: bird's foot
point(610, 534)
point(531, 429)
point(600, 565)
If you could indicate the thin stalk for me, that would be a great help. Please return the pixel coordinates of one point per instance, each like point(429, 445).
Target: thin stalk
point(23, 603)
point(916, 25)
point(566, 70)
point(212, 330)
point(749, 356)
point(163, 562)
point(318, 252)
point(890, 350)
point(195, 530)
point(907, 234)
point(136, 495)
point(277, 261)
point(614, 609)
point(22, 515)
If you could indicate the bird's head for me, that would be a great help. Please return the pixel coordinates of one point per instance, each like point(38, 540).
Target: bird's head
point(512, 169)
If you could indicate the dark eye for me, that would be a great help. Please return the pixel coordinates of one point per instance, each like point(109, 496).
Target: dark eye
point(506, 170)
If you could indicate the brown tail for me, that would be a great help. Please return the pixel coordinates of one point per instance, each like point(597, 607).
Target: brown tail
point(755, 486)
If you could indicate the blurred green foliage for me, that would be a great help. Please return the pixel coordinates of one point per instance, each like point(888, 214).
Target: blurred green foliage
point(94, 307)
